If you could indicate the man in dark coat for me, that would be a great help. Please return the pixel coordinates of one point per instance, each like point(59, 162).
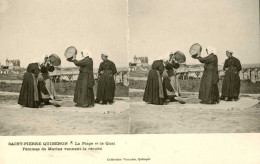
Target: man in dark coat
point(209, 93)
point(84, 94)
point(106, 82)
point(153, 93)
point(30, 94)
point(231, 82)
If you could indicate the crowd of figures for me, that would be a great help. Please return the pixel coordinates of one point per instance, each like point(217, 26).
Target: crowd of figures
point(161, 88)
point(37, 88)
point(163, 84)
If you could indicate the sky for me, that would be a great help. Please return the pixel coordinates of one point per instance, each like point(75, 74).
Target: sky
point(31, 29)
point(158, 27)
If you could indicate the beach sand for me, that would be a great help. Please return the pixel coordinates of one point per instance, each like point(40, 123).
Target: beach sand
point(142, 118)
point(226, 117)
point(66, 120)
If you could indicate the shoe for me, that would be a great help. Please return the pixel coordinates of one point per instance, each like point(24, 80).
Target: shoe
point(173, 100)
point(41, 105)
point(47, 103)
point(111, 102)
point(97, 101)
point(211, 102)
point(56, 105)
point(166, 103)
point(182, 102)
point(104, 102)
point(77, 105)
point(236, 98)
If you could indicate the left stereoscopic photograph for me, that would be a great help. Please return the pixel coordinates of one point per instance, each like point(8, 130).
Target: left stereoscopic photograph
point(64, 67)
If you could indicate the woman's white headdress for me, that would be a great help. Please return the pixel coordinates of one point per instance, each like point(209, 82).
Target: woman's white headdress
point(86, 53)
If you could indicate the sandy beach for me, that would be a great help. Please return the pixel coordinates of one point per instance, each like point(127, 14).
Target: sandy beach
point(226, 117)
point(130, 116)
point(66, 120)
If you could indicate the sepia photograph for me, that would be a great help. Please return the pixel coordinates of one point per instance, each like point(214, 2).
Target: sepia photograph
point(135, 81)
point(63, 67)
point(194, 66)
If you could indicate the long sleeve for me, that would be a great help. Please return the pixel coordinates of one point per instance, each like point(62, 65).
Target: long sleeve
point(113, 67)
point(175, 65)
point(51, 68)
point(82, 62)
point(207, 60)
point(238, 65)
point(47, 68)
point(100, 68)
point(225, 65)
point(168, 65)
point(171, 65)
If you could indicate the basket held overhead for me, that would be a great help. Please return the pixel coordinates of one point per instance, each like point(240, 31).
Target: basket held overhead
point(180, 57)
point(70, 52)
point(55, 60)
point(194, 49)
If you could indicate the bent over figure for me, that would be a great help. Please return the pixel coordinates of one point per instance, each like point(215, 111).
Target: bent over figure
point(46, 85)
point(171, 83)
point(153, 93)
point(30, 94)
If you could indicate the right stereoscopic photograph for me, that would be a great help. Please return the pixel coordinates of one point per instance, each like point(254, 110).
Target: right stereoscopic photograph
point(193, 66)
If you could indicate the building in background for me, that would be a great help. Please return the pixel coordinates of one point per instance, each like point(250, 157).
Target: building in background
point(139, 63)
point(12, 66)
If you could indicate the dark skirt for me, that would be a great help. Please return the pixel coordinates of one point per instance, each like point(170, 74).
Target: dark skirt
point(151, 93)
point(26, 97)
point(231, 85)
point(106, 87)
point(209, 93)
point(84, 94)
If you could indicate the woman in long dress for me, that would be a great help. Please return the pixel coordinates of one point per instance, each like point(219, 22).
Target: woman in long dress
point(106, 82)
point(153, 93)
point(209, 93)
point(231, 82)
point(30, 94)
point(171, 84)
point(84, 94)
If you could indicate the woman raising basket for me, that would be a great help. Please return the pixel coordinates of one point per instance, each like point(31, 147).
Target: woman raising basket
point(208, 92)
point(84, 94)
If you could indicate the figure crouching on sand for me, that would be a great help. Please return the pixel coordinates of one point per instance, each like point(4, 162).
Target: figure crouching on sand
point(84, 94)
point(45, 84)
point(30, 94)
point(153, 93)
point(171, 84)
point(106, 82)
